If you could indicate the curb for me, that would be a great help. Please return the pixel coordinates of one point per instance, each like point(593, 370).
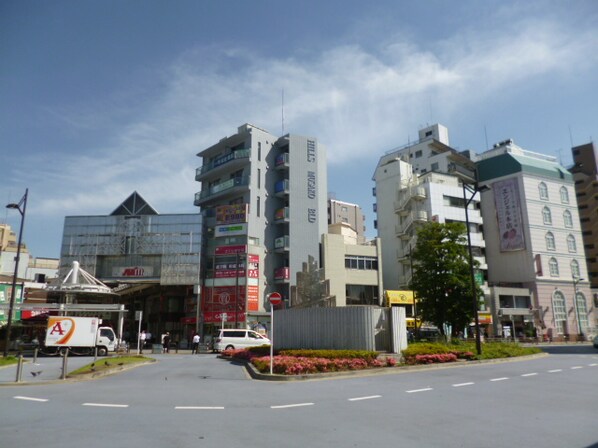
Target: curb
point(256, 375)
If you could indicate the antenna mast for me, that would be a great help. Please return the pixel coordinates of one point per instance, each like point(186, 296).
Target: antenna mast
point(282, 112)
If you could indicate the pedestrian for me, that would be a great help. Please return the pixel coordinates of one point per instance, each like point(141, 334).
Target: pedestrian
point(142, 338)
point(166, 343)
point(195, 346)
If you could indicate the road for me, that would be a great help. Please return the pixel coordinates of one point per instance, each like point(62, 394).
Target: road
point(203, 401)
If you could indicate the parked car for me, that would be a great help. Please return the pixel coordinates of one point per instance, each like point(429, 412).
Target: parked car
point(596, 342)
point(232, 338)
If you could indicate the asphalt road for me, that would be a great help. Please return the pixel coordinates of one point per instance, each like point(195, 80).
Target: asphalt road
point(203, 401)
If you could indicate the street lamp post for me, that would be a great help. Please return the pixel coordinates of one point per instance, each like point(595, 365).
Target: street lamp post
point(23, 203)
point(473, 190)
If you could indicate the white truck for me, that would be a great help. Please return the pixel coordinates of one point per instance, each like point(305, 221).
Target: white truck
point(80, 334)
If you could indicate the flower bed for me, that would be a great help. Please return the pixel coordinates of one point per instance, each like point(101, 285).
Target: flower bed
point(284, 364)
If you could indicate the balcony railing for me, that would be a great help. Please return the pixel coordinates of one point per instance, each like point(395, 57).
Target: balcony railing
point(281, 215)
point(282, 243)
point(221, 188)
point(414, 216)
point(223, 160)
point(281, 187)
point(414, 192)
point(282, 274)
point(282, 160)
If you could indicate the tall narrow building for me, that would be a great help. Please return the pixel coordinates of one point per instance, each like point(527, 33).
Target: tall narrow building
point(263, 199)
point(585, 175)
point(340, 212)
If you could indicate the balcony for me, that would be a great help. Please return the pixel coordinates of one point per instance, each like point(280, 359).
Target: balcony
point(403, 257)
point(227, 188)
point(281, 188)
point(416, 216)
point(282, 275)
point(230, 161)
point(281, 215)
point(416, 192)
point(282, 244)
point(282, 161)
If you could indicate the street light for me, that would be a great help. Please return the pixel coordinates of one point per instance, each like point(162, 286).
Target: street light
point(473, 189)
point(23, 203)
point(576, 281)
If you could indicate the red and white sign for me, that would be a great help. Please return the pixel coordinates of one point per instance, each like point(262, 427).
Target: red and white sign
point(133, 271)
point(230, 250)
point(215, 317)
point(275, 298)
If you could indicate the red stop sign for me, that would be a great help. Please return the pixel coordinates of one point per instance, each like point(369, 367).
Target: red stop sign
point(275, 298)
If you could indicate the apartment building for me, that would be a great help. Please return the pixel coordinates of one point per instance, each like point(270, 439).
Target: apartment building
point(263, 200)
point(347, 213)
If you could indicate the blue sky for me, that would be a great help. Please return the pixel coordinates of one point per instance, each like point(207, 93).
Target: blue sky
point(101, 98)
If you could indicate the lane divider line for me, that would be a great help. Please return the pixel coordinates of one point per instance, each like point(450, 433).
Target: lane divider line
point(463, 384)
point(370, 397)
point(576, 367)
point(555, 371)
point(529, 374)
point(106, 405)
point(296, 405)
point(592, 365)
point(19, 397)
point(504, 378)
point(413, 391)
point(198, 408)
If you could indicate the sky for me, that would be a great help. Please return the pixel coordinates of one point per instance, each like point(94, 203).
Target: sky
point(102, 98)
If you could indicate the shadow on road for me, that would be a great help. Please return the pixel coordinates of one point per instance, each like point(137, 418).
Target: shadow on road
point(570, 349)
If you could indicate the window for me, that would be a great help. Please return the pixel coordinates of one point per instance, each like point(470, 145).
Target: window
point(568, 219)
point(550, 241)
point(428, 133)
point(564, 195)
point(361, 295)
point(418, 154)
point(259, 178)
point(575, 269)
point(258, 206)
point(571, 244)
point(582, 312)
point(547, 216)
point(434, 166)
point(553, 265)
point(361, 262)
point(543, 190)
point(259, 151)
point(559, 311)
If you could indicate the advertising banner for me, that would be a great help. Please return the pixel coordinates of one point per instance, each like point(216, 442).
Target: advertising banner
point(133, 271)
point(223, 299)
point(230, 250)
point(231, 214)
point(253, 299)
point(230, 230)
point(508, 214)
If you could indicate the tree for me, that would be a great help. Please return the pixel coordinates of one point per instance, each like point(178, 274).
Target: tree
point(442, 276)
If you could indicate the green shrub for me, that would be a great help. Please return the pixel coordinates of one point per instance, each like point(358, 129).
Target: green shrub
point(426, 348)
point(331, 354)
point(493, 350)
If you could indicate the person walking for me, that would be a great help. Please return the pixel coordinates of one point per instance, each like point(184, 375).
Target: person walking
point(166, 343)
point(195, 346)
point(142, 338)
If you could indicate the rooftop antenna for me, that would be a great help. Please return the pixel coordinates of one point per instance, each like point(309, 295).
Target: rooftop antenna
point(486, 135)
point(282, 111)
point(560, 151)
point(570, 136)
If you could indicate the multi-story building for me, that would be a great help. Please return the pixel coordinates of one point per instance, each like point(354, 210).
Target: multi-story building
point(534, 246)
point(416, 183)
point(351, 214)
point(352, 268)
point(151, 260)
point(263, 199)
point(585, 175)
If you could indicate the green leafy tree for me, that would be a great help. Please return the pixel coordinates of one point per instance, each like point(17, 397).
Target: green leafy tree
point(442, 276)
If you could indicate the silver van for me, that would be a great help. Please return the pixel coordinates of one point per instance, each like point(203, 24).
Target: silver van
point(232, 338)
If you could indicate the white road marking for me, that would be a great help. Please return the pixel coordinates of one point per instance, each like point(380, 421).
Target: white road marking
point(576, 367)
point(529, 374)
point(296, 405)
point(504, 378)
point(462, 384)
point(418, 390)
point(106, 405)
point(201, 408)
point(555, 370)
point(370, 397)
point(593, 365)
point(18, 397)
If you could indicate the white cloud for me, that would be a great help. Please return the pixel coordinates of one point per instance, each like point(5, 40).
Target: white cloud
point(354, 101)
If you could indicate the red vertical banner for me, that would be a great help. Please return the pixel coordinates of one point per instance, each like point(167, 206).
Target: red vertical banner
point(223, 299)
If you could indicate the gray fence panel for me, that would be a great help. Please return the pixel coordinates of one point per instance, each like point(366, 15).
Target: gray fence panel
point(355, 328)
